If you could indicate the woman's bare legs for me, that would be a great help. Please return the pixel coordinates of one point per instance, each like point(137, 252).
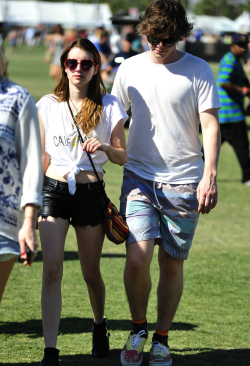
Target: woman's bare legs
point(90, 241)
point(5, 271)
point(53, 232)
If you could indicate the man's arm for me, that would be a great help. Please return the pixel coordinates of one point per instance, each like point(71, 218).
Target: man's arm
point(224, 77)
point(234, 89)
point(207, 193)
point(119, 89)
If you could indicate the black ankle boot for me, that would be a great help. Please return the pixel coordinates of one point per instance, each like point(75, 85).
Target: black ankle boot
point(51, 356)
point(100, 339)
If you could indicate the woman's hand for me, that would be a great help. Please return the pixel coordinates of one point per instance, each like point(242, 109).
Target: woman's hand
point(93, 144)
point(27, 235)
point(28, 241)
point(116, 151)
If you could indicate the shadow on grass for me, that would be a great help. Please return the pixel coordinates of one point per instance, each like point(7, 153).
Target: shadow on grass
point(73, 256)
point(201, 357)
point(77, 325)
point(212, 357)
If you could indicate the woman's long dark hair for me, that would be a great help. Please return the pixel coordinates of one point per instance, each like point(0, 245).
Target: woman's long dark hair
point(91, 111)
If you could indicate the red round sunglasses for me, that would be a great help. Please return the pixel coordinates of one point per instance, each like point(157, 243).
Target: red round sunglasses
point(72, 63)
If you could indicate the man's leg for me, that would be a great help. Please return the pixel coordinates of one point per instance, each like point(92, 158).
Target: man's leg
point(236, 135)
point(137, 277)
point(138, 285)
point(169, 293)
point(143, 220)
point(170, 289)
point(178, 221)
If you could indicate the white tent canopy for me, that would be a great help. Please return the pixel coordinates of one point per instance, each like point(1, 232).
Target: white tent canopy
point(243, 22)
point(1, 12)
point(66, 13)
point(213, 24)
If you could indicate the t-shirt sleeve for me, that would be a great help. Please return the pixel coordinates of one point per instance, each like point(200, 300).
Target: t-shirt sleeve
point(119, 90)
point(207, 93)
point(42, 106)
point(117, 113)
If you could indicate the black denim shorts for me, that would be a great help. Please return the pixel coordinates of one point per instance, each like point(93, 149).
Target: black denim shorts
point(85, 207)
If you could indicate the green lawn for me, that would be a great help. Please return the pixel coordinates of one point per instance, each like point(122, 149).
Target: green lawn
point(211, 326)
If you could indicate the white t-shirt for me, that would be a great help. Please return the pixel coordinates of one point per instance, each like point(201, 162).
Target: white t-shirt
point(61, 138)
point(165, 100)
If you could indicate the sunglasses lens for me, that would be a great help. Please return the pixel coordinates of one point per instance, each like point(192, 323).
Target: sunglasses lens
point(168, 42)
point(71, 64)
point(153, 41)
point(86, 64)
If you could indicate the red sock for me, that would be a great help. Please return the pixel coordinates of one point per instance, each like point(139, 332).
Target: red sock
point(139, 321)
point(161, 332)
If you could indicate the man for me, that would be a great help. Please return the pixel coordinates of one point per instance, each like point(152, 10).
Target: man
point(233, 86)
point(126, 51)
point(164, 187)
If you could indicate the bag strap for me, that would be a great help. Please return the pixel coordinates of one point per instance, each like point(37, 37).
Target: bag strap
point(91, 161)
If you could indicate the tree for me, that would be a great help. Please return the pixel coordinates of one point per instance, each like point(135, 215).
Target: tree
point(205, 7)
point(227, 8)
point(246, 6)
point(185, 3)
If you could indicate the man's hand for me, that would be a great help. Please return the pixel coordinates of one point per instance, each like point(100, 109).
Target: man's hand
point(207, 193)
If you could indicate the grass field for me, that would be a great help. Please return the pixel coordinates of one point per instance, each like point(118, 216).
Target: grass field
point(211, 327)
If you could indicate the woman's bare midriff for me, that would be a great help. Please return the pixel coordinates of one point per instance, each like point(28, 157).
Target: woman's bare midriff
point(82, 177)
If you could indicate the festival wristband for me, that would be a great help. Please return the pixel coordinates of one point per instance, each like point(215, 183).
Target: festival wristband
point(244, 90)
point(30, 217)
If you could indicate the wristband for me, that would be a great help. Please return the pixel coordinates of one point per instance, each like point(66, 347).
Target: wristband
point(30, 217)
point(244, 90)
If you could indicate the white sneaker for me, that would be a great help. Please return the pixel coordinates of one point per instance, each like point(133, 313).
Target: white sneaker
point(247, 183)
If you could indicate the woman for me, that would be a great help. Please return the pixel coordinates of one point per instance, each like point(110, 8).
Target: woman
point(71, 193)
point(20, 175)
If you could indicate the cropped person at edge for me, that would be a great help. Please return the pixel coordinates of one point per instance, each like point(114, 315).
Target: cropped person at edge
point(21, 175)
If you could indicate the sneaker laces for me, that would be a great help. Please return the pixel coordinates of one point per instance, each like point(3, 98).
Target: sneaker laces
point(136, 340)
point(159, 348)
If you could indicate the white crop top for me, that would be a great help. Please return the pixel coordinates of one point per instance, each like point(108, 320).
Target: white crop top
point(62, 141)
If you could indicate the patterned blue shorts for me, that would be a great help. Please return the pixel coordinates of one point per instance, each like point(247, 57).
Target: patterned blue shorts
point(167, 213)
point(8, 249)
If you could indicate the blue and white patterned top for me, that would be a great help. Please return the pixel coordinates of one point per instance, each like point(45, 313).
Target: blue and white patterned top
point(20, 156)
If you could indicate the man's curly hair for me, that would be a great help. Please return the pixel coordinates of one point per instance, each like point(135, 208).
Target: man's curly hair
point(165, 16)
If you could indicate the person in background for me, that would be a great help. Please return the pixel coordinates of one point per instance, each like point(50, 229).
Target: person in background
point(71, 193)
point(233, 87)
point(12, 40)
point(4, 71)
point(55, 43)
point(115, 41)
point(21, 175)
point(104, 49)
point(126, 51)
point(108, 74)
point(144, 43)
point(29, 36)
point(96, 35)
point(165, 186)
